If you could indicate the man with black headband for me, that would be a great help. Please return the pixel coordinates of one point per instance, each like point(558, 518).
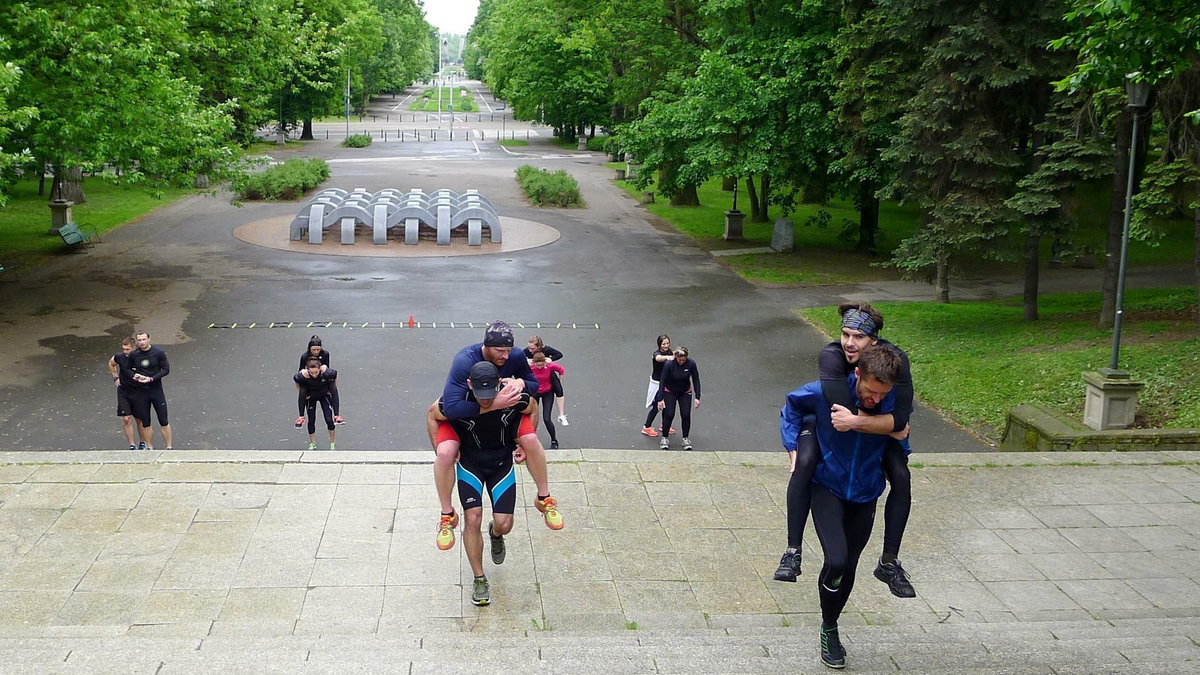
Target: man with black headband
point(861, 326)
point(457, 403)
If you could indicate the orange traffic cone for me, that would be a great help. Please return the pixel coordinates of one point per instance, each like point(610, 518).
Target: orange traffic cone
point(411, 322)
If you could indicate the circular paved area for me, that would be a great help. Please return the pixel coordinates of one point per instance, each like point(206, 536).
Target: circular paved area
point(519, 235)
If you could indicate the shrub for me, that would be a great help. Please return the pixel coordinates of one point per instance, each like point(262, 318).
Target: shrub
point(357, 141)
point(283, 182)
point(545, 188)
point(602, 143)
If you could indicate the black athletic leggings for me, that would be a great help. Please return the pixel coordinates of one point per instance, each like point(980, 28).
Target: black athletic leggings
point(546, 400)
point(685, 412)
point(843, 528)
point(895, 510)
point(326, 409)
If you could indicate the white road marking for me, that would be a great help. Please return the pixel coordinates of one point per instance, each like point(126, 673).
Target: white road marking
point(401, 103)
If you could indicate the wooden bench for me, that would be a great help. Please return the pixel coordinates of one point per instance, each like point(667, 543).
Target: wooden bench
point(75, 236)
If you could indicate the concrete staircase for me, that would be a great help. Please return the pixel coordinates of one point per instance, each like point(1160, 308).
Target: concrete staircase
point(1125, 646)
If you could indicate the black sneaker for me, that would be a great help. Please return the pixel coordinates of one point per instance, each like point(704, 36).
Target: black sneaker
point(497, 546)
point(554, 445)
point(832, 652)
point(896, 578)
point(142, 446)
point(789, 567)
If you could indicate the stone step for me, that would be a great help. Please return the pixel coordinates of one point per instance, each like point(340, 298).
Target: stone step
point(1132, 646)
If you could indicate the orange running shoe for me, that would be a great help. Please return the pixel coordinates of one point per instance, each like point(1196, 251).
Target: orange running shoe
point(549, 509)
point(649, 431)
point(446, 525)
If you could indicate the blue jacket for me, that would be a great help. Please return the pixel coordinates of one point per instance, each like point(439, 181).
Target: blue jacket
point(455, 402)
point(851, 465)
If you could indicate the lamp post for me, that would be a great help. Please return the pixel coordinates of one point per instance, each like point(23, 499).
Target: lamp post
point(1138, 94)
point(347, 103)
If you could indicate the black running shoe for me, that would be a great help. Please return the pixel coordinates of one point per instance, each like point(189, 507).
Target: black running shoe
point(497, 547)
point(896, 578)
point(832, 652)
point(789, 567)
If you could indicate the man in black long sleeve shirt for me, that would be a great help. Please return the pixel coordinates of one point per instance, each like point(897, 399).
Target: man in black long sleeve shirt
point(148, 365)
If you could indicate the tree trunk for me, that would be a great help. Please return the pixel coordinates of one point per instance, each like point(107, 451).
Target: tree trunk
point(868, 217)
point(306, 133)
point(942, 283)
point(68, 185)
point(42, 182)
point(686, 196)
point(752, 197)
point(1032, 254)
point(764, 200)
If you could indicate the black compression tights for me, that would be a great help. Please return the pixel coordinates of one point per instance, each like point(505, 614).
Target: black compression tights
point(799, 492)
point(843, 528)
point(546, 400)
point(326, 409)
point(685, 412)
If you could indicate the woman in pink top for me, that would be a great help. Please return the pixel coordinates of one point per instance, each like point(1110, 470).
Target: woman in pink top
point(544, 369)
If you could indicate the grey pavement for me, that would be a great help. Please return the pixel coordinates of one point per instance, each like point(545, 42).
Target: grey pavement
point(244, 561)
point(601, 293)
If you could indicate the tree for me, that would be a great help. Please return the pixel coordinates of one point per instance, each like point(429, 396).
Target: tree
point(1070, 149)
point(1159, 44)
point(873, 76)
point(232, 53)
point(108, 91)
point(11, 120)
point(955, 150)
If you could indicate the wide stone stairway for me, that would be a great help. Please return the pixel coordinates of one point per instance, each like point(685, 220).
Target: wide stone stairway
point(224, 561)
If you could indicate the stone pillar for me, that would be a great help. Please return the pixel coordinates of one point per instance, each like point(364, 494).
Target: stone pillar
point(784, 237)
point(582, 143)
point(620, 175)
point(60, 214)
point(1110, 402)
point(733, 225)
point(647, 197)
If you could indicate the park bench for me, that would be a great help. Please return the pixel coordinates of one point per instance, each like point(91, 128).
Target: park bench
point(75, 236)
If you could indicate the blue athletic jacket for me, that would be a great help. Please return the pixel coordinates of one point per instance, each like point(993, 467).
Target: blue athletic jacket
point(851, 465)
point(455, 402)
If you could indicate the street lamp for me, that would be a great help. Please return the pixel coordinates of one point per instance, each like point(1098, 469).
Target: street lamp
point(1138, 94)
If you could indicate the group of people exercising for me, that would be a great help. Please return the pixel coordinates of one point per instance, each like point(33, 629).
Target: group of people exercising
point(844, 434)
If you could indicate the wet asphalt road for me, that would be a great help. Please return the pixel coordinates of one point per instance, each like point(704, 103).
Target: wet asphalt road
point(602, 293)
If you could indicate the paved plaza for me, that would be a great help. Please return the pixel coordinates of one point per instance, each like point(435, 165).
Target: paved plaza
point(325, 562)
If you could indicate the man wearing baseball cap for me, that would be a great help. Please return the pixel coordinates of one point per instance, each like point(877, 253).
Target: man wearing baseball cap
point(485, 461)
point(457, 402)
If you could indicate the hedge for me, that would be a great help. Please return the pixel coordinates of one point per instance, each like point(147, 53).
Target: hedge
point(283, 182)
point(545, 188)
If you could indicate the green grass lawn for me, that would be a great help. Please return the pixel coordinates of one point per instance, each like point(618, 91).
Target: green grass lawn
point(25, 220)
point(267, 147)
point(463, 99)
point(821, 256)
point(977, 360)
point(513, 143)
